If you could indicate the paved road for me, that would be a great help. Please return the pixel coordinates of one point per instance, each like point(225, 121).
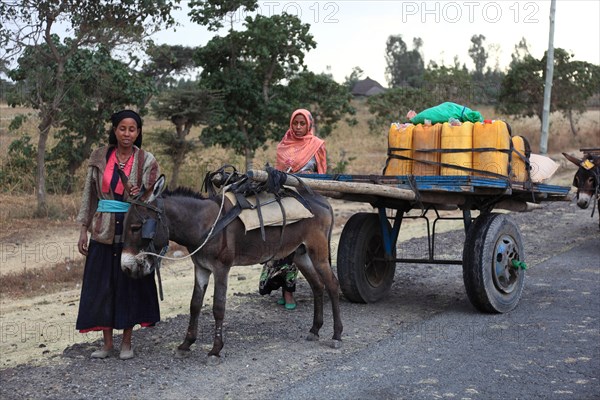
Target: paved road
point(548, 348)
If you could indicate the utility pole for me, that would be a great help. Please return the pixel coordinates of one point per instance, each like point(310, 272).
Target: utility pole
point(548, 84)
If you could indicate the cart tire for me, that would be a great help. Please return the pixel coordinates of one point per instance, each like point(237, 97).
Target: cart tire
point(493, 285)
point(363, 279)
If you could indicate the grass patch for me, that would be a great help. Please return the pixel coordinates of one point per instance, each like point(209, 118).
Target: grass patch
point(40, 281)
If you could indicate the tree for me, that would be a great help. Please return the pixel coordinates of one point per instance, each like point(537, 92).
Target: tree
point(354, 77)
point(574, 82)
point(328, 101)
point(404, 67)
point(479, 55)
point(250, 68)
point(164, 61)
point(393, 105)
point(521, 51)
point(449, 84)
point(32, 25)
point(185, 106)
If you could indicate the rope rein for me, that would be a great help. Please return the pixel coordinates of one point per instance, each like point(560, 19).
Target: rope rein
point(208, 237)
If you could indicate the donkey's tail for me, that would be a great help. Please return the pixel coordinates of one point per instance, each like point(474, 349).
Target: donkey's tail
point(330, 233)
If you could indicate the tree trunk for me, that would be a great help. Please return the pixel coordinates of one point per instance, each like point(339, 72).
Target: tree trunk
point(40, 177)
point(572, 123)
point(249, 157)
point(177, 161)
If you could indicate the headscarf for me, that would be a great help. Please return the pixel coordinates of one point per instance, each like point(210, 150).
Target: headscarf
point(295, 152)
point(120, 116)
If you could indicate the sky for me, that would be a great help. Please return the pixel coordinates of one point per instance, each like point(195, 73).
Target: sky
point(354, 33)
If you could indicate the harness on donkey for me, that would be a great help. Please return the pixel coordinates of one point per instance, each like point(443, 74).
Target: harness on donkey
point(225, 179)
point(242, 187)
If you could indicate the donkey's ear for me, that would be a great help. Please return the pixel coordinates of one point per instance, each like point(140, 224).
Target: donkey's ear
point(573, 159)
point(157, 189)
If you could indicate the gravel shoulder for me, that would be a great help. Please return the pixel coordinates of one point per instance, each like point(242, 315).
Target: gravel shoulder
point(265, 347)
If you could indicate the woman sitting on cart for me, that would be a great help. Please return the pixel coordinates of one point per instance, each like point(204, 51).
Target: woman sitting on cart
point(300, 151)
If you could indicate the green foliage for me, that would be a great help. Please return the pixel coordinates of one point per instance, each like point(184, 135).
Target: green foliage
point(18, 172)
point(250, 68)
point(573, 83)
point(17, 122)
point(327, 100)
point(354, 77)
point(185, 107)
point(478, 54)
point(340, 165)
point(404, 67)
point(393, 105)
point(449, 84)
point(44, 59)
point(211, 13)
point(166, 60)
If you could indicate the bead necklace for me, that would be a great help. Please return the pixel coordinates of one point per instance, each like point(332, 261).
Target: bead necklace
point(122, 164)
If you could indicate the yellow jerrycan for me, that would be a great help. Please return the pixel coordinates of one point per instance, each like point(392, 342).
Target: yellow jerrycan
point(426, 137)
point(518, 168)
point(457, 136)
point(400, 137)
point(491, 144)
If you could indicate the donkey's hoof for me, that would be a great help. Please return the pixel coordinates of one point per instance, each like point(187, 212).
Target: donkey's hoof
point(335, 344)
point(213, 360)
point(312, 337)
point(182, 353)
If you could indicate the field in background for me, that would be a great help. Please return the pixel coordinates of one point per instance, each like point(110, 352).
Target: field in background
point(354, 146)
point(362, 152)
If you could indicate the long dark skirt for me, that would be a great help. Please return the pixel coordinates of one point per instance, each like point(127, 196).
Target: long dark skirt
point(109, 298)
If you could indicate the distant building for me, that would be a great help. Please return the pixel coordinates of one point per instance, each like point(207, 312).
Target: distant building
point(367, 87)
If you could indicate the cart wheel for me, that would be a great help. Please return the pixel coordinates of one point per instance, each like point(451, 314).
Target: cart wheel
point(492, 283)
point(364, 275)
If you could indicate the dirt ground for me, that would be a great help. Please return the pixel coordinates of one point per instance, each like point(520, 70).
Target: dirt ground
point(36, 329)
point(37, 335)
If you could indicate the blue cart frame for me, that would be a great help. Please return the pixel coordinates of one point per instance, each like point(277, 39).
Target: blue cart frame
point(493, 254)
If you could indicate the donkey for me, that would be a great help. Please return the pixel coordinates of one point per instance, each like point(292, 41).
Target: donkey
point(586, 180)
point(187, 218)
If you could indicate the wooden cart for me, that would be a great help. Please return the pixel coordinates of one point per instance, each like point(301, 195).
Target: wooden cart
point(493, 255)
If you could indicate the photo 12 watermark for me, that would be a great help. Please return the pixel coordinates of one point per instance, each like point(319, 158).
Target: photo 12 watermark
point(432, 333)
point(43, 332)
point(492, 12)
point(313, 12)
point(29, 255)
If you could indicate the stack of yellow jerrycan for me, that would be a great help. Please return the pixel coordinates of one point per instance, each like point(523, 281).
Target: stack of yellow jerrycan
point(426, 137)
point(457, 136)
point(400, 137)
point(491, 146)
point(479, 149)
point(518, 168)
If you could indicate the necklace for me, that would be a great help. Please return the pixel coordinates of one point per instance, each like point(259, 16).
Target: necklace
point(122, 163)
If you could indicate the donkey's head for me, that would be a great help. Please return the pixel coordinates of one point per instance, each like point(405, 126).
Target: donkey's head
point(144, 231)
point(586, 178)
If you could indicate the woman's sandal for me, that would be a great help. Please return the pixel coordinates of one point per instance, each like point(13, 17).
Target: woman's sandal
point(290, 306)
point(100, 353)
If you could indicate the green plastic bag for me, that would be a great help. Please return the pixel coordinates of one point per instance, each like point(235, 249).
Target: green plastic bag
point(445, 111)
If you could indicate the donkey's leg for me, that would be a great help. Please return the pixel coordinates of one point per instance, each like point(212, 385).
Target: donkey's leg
point(312, 277)
point(333, 290)
point(221, 276)
point(201, 277)
point(328, 278)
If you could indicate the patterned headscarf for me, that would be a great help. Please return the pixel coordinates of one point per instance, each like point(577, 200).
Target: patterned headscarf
point(294, 152)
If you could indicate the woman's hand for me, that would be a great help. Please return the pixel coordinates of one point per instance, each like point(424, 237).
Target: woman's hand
point(82, 244)
point(134, 190)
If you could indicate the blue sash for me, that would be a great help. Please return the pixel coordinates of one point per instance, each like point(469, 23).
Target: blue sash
point(112, 206)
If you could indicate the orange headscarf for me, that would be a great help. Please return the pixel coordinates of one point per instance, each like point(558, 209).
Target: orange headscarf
point(295, 152)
